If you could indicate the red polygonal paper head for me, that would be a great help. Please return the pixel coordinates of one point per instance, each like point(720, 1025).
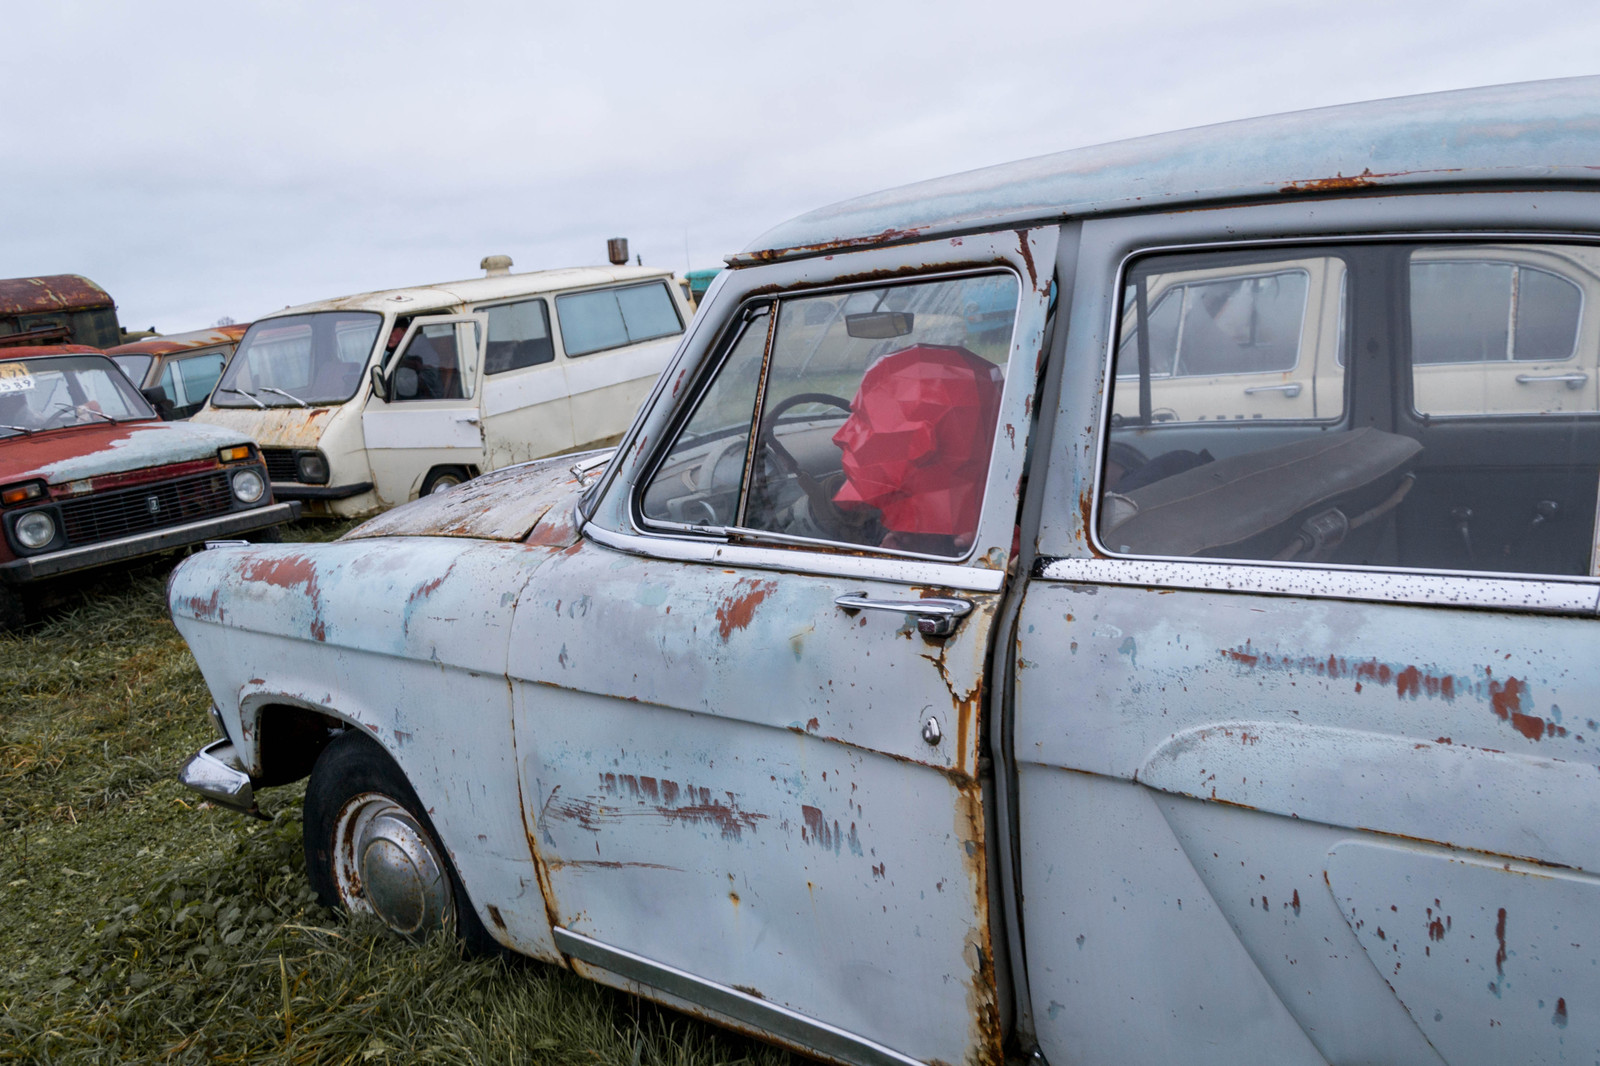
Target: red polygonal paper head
point(916, 445)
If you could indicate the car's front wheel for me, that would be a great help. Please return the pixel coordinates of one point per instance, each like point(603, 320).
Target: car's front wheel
point(371, 848)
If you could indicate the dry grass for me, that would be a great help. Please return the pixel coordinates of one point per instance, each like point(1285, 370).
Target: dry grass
point(141, 926)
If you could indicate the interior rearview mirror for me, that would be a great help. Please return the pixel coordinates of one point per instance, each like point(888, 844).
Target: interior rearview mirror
point(879, 325)
point(380, 384)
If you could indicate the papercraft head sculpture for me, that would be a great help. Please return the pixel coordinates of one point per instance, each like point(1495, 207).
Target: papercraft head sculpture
point(916, 445)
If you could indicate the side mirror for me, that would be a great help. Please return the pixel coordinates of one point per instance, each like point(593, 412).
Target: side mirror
point(158, 399)
point(380, 384)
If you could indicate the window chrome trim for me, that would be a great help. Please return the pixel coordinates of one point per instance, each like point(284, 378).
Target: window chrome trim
point(1381, 577)
point(787, 1025)
point(877, 566)
point(1428, 588)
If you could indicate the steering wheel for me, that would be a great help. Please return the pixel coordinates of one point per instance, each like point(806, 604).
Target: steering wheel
point(769, 422)
point(822, 510)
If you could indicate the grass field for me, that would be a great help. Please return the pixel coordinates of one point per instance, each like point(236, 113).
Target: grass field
point(141, 926)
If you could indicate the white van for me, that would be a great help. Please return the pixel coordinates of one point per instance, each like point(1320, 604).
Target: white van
point(364, 402)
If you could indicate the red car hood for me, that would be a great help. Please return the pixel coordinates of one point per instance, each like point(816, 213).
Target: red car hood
point(76, 452)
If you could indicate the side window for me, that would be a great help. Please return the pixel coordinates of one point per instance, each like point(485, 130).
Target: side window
point(519, 336)
point(1253, 341)
point(1479, 334)
point(1499, 332)
point(430, 367)
point(873, 413)
point(172, 385)
point(199, 374)
point(610, 318)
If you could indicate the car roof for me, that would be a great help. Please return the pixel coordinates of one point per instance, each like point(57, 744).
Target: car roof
point(51, 292)
point(445, 294)
point(1543, 132)
point(182, 342)
point(39, 350)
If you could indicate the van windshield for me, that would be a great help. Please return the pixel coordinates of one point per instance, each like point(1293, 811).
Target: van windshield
point(312, 359)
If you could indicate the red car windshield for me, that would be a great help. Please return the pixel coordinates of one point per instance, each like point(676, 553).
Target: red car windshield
point(65, 390)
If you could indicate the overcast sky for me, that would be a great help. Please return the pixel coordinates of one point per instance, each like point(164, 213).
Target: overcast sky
point(210, 159)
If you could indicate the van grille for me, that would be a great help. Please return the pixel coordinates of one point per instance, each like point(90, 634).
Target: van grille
point(281, 464)
point(109, 515)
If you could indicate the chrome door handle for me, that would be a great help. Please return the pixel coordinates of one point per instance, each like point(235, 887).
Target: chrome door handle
point(936, 617)
point(470, 419)
point(1573, 381)
point(1290, 390)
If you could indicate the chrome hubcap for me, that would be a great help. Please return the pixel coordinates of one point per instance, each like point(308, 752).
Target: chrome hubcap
point(385, 865)
point(444, 484)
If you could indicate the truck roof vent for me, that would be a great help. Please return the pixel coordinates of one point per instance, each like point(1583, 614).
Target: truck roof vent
point(494, 265)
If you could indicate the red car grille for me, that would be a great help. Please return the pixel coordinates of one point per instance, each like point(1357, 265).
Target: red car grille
point(109, 515)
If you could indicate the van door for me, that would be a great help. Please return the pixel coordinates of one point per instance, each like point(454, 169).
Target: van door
point(431, 417)
point(527, 413)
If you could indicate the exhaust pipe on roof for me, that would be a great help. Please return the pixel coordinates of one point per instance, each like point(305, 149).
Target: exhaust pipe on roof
point(495, 265)
point(617, 251)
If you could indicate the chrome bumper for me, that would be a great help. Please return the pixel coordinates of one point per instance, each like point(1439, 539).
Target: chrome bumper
point(216, 773)
point(31, 567)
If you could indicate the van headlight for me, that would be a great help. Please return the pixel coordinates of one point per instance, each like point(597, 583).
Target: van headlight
point(312, 468)
point(248, 487)
point(35, 529)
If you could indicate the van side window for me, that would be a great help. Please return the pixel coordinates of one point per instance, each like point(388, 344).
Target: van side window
point(1491, 464)
point(519, 336)
point(610, 318)
point(873, 413)
point(190, 381)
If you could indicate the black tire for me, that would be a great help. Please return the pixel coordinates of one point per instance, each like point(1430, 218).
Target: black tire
point(444, 477)
point(13, 610)
point(353, 773)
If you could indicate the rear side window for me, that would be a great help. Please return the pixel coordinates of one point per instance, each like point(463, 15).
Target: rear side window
point(611, 318)
point(519, 336)
point(1466, 436)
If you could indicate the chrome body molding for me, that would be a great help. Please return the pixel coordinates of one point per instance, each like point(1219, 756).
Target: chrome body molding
point(878, 567)
point(1430, 589)
point(784, 1024)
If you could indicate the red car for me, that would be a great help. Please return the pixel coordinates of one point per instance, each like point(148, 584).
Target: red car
point(90, 475)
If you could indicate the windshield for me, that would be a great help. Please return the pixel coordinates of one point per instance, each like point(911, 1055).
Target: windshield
point(52, 392)
point(135, 366)
point(299, 359)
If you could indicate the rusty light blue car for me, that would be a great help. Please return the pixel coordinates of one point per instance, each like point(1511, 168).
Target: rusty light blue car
point(994, 635)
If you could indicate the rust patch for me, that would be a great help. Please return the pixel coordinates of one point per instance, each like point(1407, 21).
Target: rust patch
point(1027, 257)
point(428, 588)
point(52, 292)
point(727, 817)
point(287, 572)
point(1339, 182)
point(816, 830)
point(739, 609)
point(1500, 937)
point(206, 609)
point(702, 808)
point(753, 993)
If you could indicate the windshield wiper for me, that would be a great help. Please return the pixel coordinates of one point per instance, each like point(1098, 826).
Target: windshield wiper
point(19, 429)
point(280, 392)
point(247, 395)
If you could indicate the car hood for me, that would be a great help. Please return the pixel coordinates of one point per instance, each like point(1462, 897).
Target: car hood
point(534, 501)
point(76, 452)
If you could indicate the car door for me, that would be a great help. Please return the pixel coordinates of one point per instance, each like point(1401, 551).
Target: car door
point(1328, 790)
point(430, 417)
point(527, 412)
point(748, 704)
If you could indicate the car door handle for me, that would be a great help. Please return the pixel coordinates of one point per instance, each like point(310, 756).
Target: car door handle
point(1290, 390)
point(1573, 381)
point(936, 617)
point(471, 419)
